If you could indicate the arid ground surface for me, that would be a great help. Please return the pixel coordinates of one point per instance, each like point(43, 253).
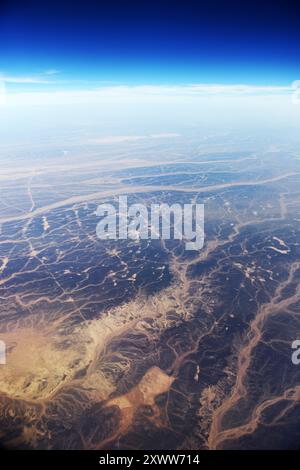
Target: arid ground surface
point(140, 343)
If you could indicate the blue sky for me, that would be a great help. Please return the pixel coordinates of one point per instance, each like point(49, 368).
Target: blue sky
point(79, 45)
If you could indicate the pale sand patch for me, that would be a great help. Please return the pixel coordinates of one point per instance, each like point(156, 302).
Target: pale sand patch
point(153, 383)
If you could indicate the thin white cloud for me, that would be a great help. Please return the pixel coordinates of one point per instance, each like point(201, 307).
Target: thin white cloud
point(52, 72)
point(119, 93)
point(132, 138)
point(23, 80)
point(195, 89)
point(238, 88)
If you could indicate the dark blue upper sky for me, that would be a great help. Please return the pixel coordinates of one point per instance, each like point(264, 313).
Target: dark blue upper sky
point(152, 41)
